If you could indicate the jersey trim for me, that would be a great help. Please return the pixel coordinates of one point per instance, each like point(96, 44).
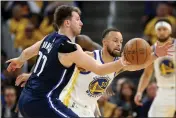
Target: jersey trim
point(74, 81)
point(84, 73)
point(101, 56)
point(49, 94)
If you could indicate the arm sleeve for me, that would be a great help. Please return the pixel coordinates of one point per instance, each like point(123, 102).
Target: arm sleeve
point(67, 47)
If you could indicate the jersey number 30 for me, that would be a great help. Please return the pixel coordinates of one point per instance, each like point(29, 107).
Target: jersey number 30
point(39, 67)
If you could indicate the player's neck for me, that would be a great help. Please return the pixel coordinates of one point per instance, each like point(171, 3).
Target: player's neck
point(106, 56)
point(67, 33)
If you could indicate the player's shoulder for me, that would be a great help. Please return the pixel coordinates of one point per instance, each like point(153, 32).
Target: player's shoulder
point(81, 38)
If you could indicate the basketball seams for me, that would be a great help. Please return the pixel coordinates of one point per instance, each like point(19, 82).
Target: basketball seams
point(136, 52)
point(125, 52)
point(146, 52)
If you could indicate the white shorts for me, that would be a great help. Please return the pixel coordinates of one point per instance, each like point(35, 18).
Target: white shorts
point(81, 110)
point(164, 104)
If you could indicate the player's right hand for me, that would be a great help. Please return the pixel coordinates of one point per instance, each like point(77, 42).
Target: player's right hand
point(137, 99)
point(22, 79)
point(14, 64)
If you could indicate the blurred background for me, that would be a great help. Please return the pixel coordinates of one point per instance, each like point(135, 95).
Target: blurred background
point(25, 22)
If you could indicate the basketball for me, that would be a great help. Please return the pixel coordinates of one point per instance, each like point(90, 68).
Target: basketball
point(137, 51)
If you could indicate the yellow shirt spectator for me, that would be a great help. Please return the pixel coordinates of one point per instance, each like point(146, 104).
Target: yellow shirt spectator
point(150, 28)
point(27, 38)
point(45, 27)
point(18, 25)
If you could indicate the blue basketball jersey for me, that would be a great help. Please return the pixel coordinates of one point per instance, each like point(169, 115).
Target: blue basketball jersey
point(49, 76)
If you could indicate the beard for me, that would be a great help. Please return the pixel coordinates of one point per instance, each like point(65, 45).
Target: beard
point(163, 39)
point(113, 53)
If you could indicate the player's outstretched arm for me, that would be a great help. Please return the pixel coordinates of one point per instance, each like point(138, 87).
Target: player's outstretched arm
point(81, 59)
point(25, 55)
point(143, 83)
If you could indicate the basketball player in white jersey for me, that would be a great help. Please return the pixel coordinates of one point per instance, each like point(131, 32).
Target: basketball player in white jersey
point(164, 104)
point(85, 87)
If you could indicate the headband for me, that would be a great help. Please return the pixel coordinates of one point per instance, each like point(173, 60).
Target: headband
point(163, 24)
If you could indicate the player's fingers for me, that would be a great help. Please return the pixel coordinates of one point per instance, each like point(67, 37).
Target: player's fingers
point(19, 80)
point(168, 46)
point(138, 101)
point(9, 60)
point(169, 54)
point(13, 69)
point(23, 84)
point(170, 51)
point(9, 68)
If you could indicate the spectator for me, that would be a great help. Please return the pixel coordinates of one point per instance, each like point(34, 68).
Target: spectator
point(161, 12)
point(46, 26)
point(149, 12)
point(30, 36)
point(127, 92)
point(10, 103)
point(17, 23)
point(115, 98)
point(106, 108)
point(35, 20)
point(147, 101)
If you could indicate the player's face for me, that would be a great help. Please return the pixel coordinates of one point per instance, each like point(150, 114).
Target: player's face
point(114, 43)
point(163, 34)
point(76, 23)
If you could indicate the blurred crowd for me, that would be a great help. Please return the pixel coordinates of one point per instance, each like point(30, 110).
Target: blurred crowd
point(29, 21)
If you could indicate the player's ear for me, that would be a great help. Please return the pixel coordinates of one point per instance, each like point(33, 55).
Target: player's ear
point(67, 23)
point(104, 42)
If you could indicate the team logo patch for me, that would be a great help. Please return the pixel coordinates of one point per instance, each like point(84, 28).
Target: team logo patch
point(98, 86)
point(166, 67)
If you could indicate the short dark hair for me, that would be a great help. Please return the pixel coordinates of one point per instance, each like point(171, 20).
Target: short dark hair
point(163, 19)
point(106, 31)
point(64, 12)
point(9, 87)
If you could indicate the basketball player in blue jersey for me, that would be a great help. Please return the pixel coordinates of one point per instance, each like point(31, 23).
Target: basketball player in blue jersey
point(56, 61)
point(86, 43)
point(57, 58)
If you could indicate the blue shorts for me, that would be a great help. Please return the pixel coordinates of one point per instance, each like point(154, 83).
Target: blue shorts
point(31, 107)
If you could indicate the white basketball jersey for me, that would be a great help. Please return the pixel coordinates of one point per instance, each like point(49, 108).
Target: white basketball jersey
point(165, 69)
point(86, 87)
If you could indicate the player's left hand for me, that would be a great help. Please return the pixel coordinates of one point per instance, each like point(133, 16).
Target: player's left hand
point(163, 50)
point(22, 79)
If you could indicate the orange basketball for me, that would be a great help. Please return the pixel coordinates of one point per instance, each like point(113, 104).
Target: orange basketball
point(137, 51)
